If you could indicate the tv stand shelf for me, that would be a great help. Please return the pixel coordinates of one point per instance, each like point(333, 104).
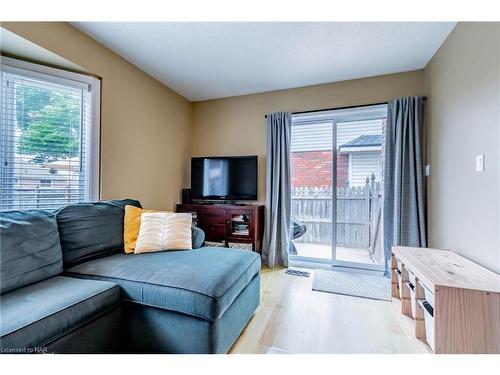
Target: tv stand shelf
point(229, 222)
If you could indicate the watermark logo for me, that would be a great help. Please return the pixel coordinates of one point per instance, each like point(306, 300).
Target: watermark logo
point(24, 350)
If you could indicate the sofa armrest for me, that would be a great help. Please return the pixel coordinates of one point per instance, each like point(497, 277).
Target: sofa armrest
point(197, 237)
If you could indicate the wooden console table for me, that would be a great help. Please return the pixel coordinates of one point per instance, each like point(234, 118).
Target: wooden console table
point(229, 223)
point(453, 302)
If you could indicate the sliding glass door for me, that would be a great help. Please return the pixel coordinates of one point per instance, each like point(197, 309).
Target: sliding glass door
point(312, 178)
point(336, 165)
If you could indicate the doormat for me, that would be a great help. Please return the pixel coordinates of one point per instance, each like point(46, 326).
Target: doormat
point(297, 273)
point(353, 284)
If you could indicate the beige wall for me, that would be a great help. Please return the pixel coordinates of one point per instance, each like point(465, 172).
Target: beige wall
point(463, 87)
point(145, 126)
point(236, 125)
point(149, 131)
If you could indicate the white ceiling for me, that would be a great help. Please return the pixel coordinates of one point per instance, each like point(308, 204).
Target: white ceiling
point(207, 60)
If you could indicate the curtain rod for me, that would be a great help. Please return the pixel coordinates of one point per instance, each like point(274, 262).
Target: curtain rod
point(338, 108)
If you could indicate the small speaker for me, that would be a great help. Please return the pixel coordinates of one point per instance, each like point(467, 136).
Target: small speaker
point(186, 195)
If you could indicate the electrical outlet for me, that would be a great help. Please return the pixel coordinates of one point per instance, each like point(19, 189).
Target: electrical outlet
point(480, 163)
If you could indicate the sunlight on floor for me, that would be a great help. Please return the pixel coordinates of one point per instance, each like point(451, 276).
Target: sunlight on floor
point(349, 254)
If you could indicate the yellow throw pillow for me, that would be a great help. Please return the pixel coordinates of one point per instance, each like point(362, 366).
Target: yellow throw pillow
point(132, 225)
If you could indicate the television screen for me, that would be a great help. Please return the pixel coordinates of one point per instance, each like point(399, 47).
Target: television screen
point(224, 178)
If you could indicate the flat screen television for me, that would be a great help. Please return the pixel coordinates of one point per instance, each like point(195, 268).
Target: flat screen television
point(224, 178)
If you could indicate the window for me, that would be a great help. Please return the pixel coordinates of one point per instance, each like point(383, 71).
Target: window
point(45, 183)
point(49, 136)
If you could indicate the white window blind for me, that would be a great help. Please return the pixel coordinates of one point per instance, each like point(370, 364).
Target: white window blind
point(49, 137)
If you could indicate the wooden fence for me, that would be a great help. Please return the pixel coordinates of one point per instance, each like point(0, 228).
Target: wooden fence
point(47, 198)
point(358, 209)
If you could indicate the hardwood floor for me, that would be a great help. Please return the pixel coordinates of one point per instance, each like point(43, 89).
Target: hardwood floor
point(293, 318)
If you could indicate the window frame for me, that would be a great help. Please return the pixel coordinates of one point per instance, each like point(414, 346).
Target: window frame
point(335, 116)
point(76, 80)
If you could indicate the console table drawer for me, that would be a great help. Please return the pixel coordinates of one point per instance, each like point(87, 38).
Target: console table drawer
point(214, 231)
point(212, 216)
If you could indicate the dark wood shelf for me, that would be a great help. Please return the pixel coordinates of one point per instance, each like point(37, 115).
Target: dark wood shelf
point(217, 222)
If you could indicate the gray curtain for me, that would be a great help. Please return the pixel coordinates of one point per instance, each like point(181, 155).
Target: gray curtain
point(277, 230)
point(404, 206)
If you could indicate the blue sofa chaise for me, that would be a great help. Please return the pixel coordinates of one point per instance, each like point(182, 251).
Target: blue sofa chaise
point(68, 287)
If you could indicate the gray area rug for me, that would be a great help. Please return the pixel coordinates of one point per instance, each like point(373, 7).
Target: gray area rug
point(353, 284)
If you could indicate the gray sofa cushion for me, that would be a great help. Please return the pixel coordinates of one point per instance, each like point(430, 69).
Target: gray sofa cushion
point(90, 230)
point(202, 282)
point(197, 237)
point(37, 314)
point(30, 248)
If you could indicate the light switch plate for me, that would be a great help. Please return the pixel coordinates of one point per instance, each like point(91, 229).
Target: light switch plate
point(480, 163)
point(427, 170)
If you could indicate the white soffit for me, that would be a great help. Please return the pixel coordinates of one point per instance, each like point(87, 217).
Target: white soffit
point(15, 45)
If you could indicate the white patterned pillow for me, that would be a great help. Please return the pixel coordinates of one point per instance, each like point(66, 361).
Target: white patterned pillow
point(164, 231)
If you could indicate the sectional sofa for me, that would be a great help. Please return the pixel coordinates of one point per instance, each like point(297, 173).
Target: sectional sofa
point(68, 287)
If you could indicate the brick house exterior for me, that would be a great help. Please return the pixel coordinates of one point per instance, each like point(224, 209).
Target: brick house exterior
point(358, 152)
point(314, 168)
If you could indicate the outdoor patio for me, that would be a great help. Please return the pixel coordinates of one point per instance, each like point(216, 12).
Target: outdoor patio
point(348, 254)
point(358, 222)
